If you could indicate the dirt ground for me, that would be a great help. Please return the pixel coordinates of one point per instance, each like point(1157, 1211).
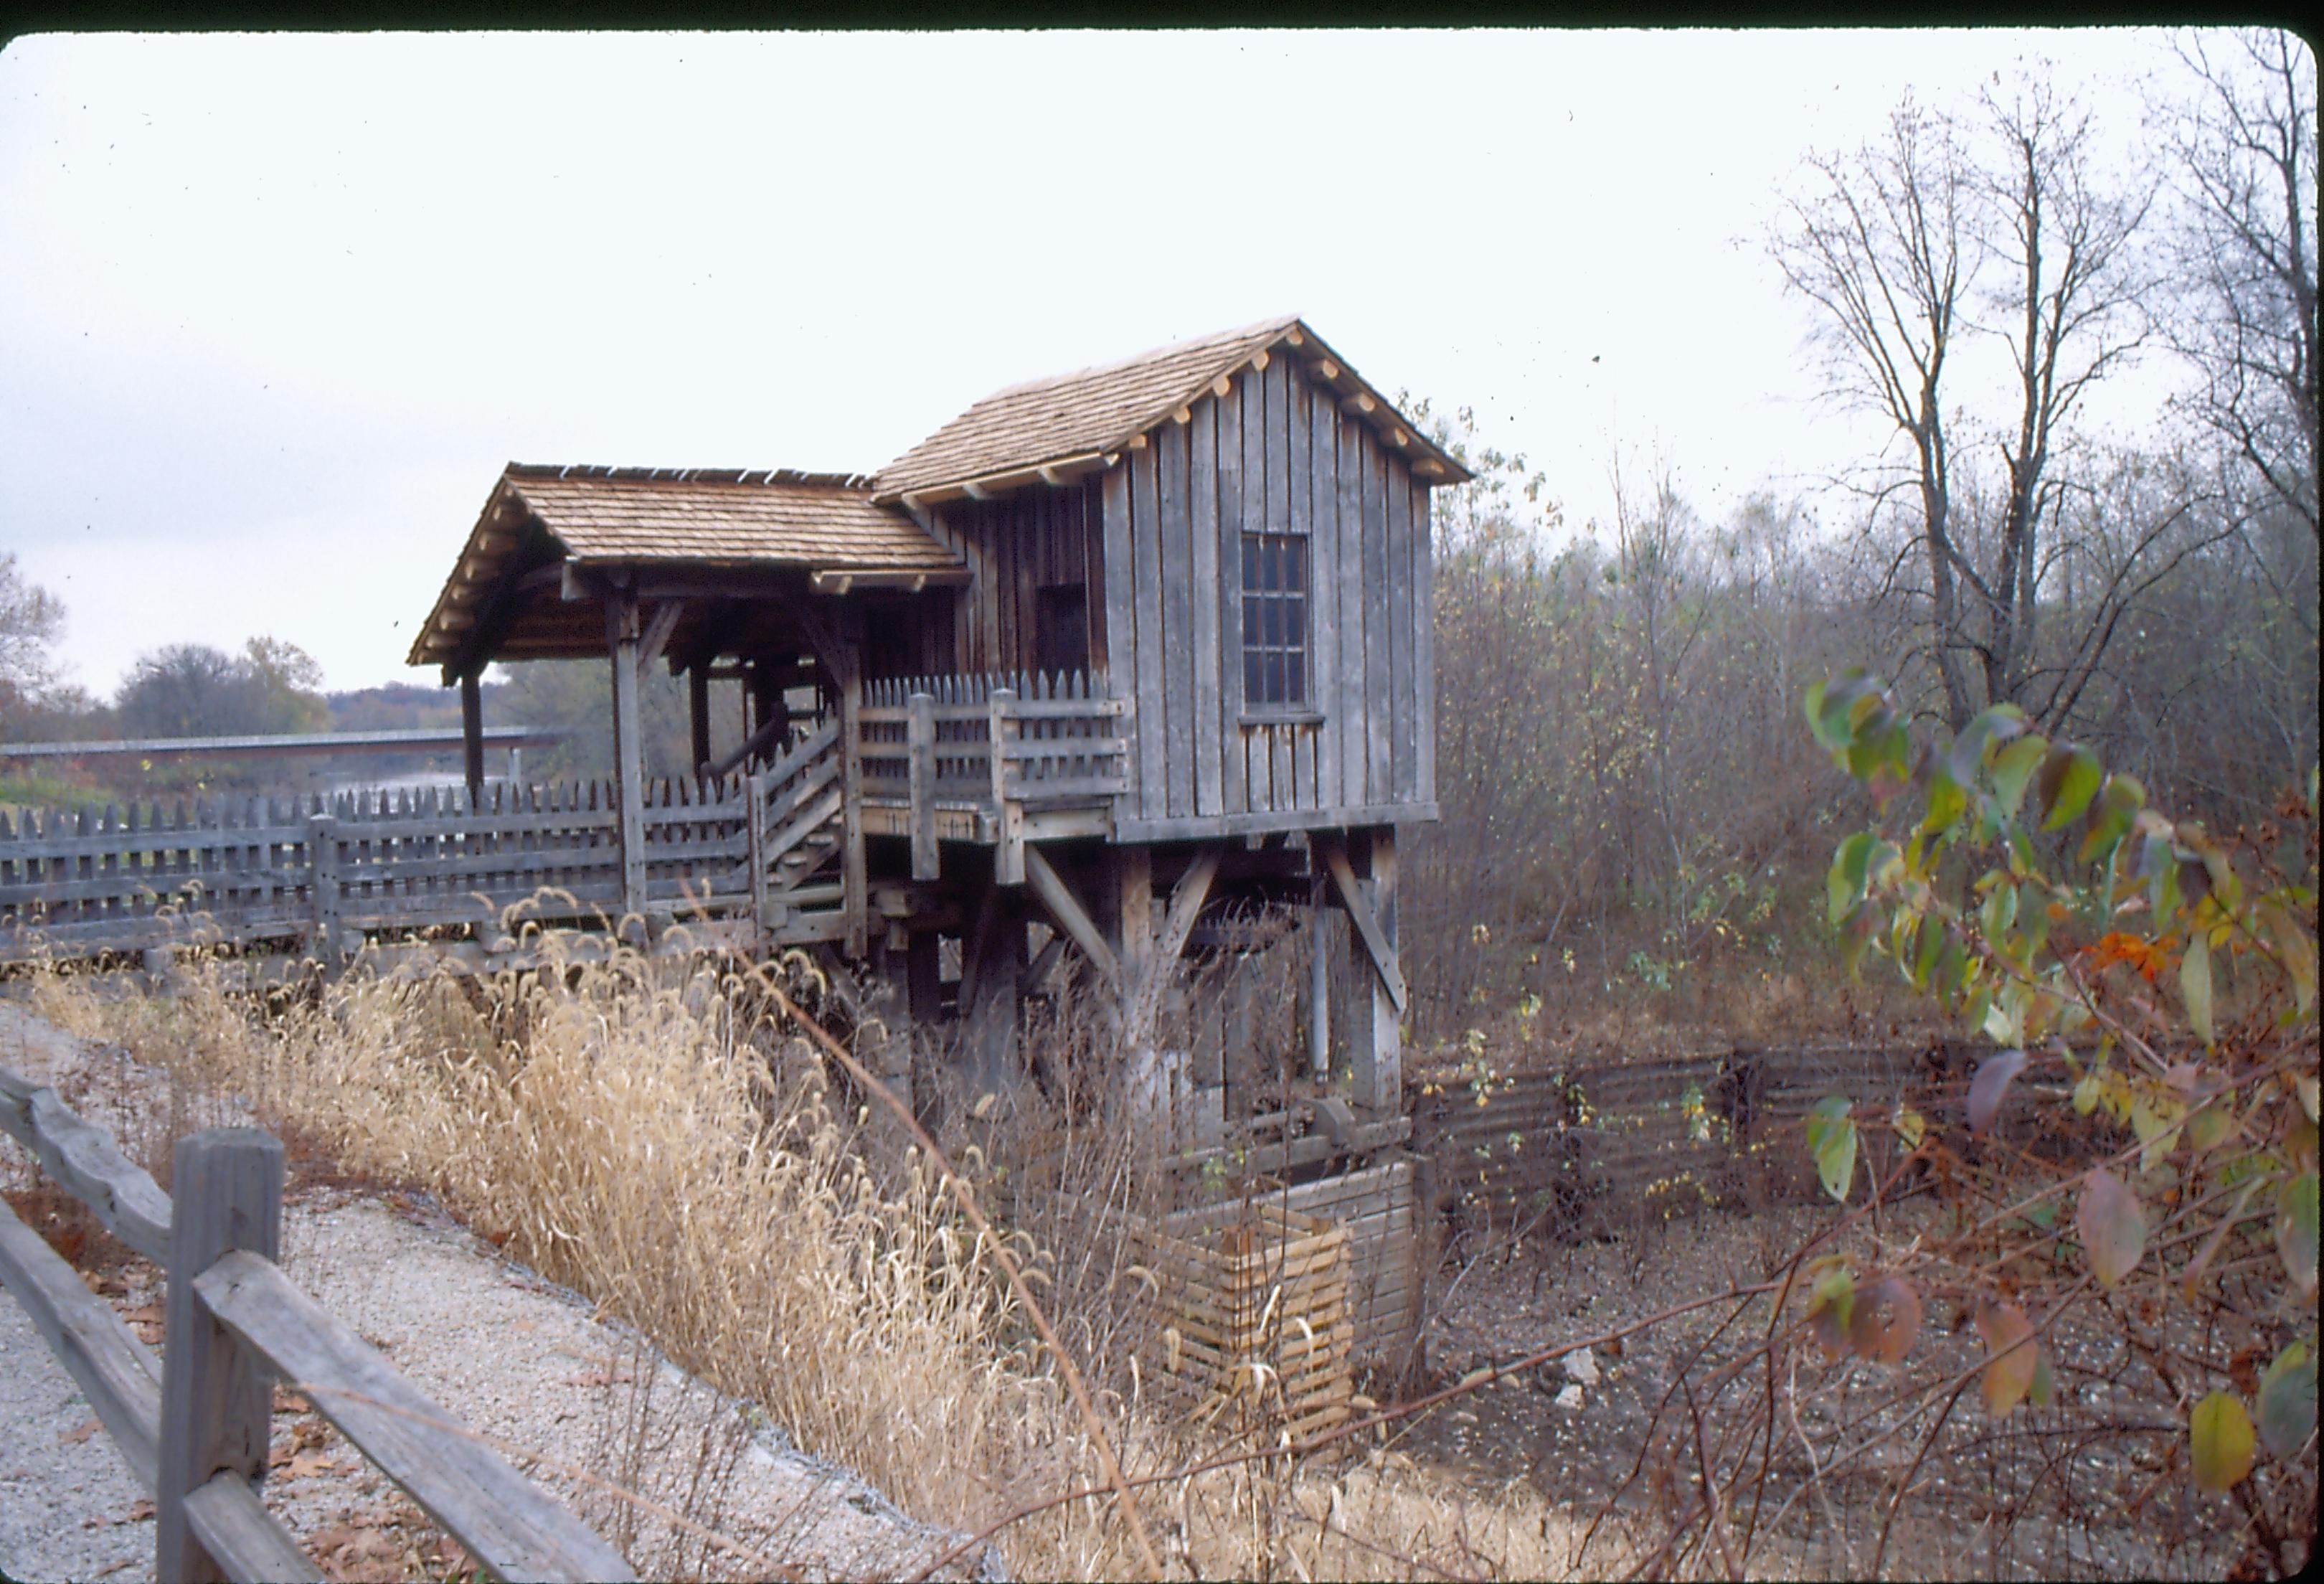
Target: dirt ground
point(2088, 1517)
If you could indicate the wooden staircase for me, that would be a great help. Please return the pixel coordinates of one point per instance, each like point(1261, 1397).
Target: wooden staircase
point(798, 828)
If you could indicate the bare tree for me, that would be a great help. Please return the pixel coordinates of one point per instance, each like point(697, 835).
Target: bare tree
point(1942, 236)
point(1885, 246)
point(2243, 173)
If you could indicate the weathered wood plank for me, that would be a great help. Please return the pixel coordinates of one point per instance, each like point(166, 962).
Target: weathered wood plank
point(1423, 643)
point(1370, 928)
point(1206, 725)
point(514, 1528)
point(113, 1370)
point(1174, 518)
point(235, 1526)
point(922, 745)
point(1324, 662)
point(84, 1158)
point(215, 1398)
point(628, 746)
point(1379, 635)
point(1071, 917)
point(1153, 639)
point(1242, 483)
point(1355, 705)
point(1402, 716)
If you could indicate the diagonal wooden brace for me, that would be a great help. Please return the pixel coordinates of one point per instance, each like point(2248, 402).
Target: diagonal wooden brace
point(1360, 912)
point(1186, 898)
point(1066, 908)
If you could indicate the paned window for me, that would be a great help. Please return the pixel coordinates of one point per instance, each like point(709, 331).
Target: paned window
point(1274, 619)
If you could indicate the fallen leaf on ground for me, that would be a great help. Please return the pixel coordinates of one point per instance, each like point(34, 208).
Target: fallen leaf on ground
point(79, 1433)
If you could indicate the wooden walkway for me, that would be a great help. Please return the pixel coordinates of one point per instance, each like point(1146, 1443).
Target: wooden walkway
point(762, 860)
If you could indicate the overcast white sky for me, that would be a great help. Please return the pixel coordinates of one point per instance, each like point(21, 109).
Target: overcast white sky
point(274, 311)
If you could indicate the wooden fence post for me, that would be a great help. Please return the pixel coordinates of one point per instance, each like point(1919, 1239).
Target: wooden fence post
point(217, 1398)
point(920, 737)
point(754, 823)
point(323, 883)
point(1008, 848)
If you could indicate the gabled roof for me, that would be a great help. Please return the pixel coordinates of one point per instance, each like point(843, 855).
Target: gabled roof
point(700, 515)
point(1076, 420)
point(703, 517)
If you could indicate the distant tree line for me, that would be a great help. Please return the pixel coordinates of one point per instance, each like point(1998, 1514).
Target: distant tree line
point(1627, 784)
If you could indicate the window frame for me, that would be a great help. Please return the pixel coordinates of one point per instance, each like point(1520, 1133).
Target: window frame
point(1289, 595)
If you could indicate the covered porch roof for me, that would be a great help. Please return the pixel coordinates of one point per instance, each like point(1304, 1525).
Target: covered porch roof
point(529, 582)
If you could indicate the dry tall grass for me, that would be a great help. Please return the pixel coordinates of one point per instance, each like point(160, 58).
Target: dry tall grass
point(644, 1133)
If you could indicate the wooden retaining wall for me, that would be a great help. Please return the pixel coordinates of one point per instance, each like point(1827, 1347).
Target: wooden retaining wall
point(1590, 1148)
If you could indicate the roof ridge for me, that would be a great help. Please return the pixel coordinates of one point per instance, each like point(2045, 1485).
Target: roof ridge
point(1216, 338)
point(792, 477)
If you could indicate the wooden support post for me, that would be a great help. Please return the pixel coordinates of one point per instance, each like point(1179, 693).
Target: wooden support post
point(698, 704)
point(472, 735)
point(629, 747)
point(855, 880)
point(1186, 898)
point(754, 824)
point(886, 1035)
point(217, 1398)
point(1428, 1231)
point(1319, 988)
point(924, 977)
point(992, 974)
point(1375, 1050)
point(921, 746)
point(1009, 849)
point(1134, 925)
point(323, 889)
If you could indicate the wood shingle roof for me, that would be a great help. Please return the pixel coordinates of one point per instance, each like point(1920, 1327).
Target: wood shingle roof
point(703, 517)
point(822, 521)
point(1084, 415)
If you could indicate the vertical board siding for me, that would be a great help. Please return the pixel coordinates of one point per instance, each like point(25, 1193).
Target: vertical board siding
point(1174, 519)
point(1398, 502)
point(1153, 641)
point(1276, 453)
point(1240, 480)
point(1323, 492)
point(1348, 541)
point(1125, 658)
point(1379, 639)
point(1423, 643)
point(1096, 553)
point(1203, 603)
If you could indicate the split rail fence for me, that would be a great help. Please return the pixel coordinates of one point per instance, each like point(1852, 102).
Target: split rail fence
point(193, 1425)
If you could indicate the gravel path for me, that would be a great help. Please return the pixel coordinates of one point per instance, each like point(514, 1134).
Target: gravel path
point(522, 1361)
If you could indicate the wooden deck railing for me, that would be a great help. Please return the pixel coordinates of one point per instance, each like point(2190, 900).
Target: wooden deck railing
point(997, 745)
point(956, 757)
point(321, 872)
point(193, 1427)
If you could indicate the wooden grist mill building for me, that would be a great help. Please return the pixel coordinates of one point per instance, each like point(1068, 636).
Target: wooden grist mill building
point(1065, 690)
point(1110, 653)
